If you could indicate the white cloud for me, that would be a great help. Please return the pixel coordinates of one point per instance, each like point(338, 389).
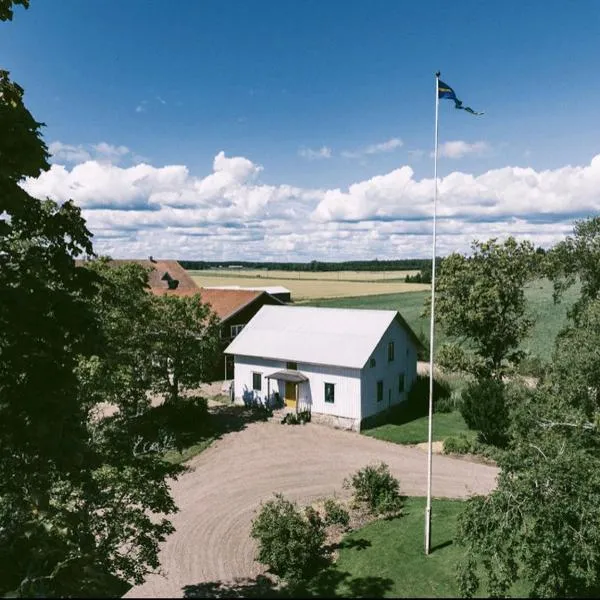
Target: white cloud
point(386, 146)
point(460, 148)
point(230, 213)
point(68, 153)
point(320, 153)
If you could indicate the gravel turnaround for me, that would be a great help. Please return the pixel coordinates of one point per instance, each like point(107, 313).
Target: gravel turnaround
point(219, 497)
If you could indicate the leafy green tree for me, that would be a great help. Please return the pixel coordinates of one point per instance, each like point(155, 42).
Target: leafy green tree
point(122, 376)
point(576, 259)
point(480, 301)
point(542, 523)
point(291, 544)
point(484, 408)
point(78, 507)
point(185, 343)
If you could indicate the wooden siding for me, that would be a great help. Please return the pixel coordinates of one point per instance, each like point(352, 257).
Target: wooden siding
point(311, 393)
point(405, 361)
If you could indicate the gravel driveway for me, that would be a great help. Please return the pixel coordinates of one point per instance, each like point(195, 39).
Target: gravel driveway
point(218, 498)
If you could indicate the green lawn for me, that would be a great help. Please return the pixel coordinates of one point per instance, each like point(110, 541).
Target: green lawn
point(550, 317)
point(389, 555)
point(415, 431)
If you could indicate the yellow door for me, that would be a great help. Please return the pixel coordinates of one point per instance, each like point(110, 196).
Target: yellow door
point(290, 394)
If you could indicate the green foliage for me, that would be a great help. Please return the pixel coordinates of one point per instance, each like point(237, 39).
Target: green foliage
point(291, 544)
point(79, 508)
point(448, 404)
point(336, 514)
point(183, 423)
point(481, 299)
point(299, 418)
point(576, 259)
point(185, 343)
point(542, 523)
point(485, 410)
point(376, 488)
point(6, 8)
point(459, 444)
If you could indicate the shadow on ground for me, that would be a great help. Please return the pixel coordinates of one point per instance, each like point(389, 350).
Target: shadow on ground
point(329, 584)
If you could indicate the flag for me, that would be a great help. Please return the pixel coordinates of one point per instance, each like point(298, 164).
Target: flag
point(445, 91)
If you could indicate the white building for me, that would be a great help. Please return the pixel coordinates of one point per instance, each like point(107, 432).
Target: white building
point(344, 365)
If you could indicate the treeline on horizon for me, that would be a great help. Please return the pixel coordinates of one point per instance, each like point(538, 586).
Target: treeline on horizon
point(407, 264)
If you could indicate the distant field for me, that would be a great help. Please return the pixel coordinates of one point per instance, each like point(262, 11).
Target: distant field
point(550, 318)
point(306, 289)
point(320, 275)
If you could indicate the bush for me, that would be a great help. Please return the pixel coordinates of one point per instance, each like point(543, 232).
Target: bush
point(459, 444)
point(290, 419)
point(336, 514)
point(484, 409)
point(291, 544)
point(375, 487)
point(185, 421)
point(450, 403)
point(304, 416)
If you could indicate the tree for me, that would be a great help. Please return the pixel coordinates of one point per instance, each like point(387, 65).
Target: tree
point(480, 300)
point(77, 506)
point(185, 343)
point(291, 544)
point(542, 523)
point(577, 258)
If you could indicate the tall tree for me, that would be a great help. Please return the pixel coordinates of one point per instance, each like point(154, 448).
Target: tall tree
point(76, 502)
point(577, 258)
point(480, 300)
point(185, 343)
point(542, 523)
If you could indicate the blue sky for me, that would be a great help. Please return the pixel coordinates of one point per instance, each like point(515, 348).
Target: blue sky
point(317, 96)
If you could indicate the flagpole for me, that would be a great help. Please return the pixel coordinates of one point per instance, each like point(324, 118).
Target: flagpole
point(429, 452)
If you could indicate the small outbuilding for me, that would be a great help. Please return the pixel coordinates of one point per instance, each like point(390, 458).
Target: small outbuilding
point(344, 365)
point(277, 291)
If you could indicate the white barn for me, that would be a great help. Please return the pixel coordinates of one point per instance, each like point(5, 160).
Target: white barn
point(344, 365)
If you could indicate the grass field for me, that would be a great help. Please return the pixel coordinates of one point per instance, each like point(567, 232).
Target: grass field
point(310, 275)
point(306, 289)
point(550, 318)
point(389, 555)
point(416, 432)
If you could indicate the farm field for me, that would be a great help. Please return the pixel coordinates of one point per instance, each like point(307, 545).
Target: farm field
point(321, 275)
point(550, 317)
point(307, 289)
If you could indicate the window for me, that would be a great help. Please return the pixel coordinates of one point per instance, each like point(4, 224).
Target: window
point(235, 329)
point(329, 393)
point(291, 366)
point(379, 391)
point(390, 351)
point(372, 363)
point(401, 382)
point(257, 381)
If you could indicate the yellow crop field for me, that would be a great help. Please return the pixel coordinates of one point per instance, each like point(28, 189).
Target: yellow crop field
point(309, 289)
point(319, 275)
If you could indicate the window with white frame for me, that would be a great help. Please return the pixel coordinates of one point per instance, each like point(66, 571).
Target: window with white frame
point(257, 382)
point(330, 393)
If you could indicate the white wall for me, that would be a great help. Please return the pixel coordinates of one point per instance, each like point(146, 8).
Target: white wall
point(405, 361)
point(311, 393)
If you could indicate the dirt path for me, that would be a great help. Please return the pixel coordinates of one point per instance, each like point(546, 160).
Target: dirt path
point(218, 499)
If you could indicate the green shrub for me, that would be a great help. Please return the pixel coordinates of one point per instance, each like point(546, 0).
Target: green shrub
point(304, 416)
point(290, 419)
point(375, 487)
point(447, 404)
point(185, 421)
point(459, 444)
point(336, 514)
point(291, 544)
point(484, 409)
